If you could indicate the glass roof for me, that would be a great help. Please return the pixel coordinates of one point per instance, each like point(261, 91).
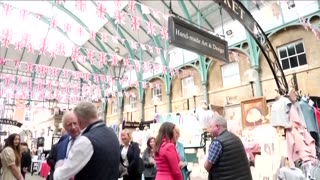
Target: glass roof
point(37, 29)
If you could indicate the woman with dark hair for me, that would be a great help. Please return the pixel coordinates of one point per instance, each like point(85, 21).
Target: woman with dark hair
point(148, 159)
point(166, 156)
point(11, 158)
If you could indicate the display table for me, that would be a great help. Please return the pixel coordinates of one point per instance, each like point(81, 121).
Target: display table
point(45, 169)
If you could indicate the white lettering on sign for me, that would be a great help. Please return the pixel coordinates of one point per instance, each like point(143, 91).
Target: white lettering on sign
point(200, 42)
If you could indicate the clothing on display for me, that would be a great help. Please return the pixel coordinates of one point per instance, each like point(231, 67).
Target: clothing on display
point(317, 113)
point(309, 115)
point(280, 113)
point(286, 173)
point(300, 144)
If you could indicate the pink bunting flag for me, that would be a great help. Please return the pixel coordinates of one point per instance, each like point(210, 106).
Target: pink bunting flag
point(80, 5)
point(135, 23)
point(29, 67)
point(67, 27)
point(43, 46)
point(2, 61)
point(151, 30)
point(137, 63)
point(75, 53)
point(101, 10)
point(53, 23)
point(6, 38)
point(131, 5)
point(119, 18)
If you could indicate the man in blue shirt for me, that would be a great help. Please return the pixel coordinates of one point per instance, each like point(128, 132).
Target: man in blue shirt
point(227, 158)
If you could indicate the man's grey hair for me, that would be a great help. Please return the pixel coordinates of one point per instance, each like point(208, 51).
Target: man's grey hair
point(217, 119)
point(65, 116)
point(86, 111)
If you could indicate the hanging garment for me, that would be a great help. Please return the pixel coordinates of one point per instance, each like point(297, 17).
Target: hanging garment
point(311, 170)
point(309, 115)
point(300, 144)
point(286, 173)
point(296, 104)
point(280, 113)
point(317, 113)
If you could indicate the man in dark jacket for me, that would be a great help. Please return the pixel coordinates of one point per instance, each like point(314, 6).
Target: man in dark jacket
point(227, 159)
point(95, 154)
point(56, 153)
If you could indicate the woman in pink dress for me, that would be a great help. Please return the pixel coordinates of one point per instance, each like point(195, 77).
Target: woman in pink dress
point(166, 156)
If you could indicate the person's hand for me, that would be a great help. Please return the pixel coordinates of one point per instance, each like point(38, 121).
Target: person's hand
point(59, 163)
point(21, 178)
point(181, 164)
point(25, 169)
point(152, 161)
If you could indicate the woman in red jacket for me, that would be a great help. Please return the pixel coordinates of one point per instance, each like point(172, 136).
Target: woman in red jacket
point(166, 156)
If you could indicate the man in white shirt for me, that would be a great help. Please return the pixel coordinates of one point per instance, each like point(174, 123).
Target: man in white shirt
point(95, 154)
point(71, 126)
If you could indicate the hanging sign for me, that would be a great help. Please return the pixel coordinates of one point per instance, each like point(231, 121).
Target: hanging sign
point(187, 36)
point(234, 8)
point(3, 133)
point(10, 122)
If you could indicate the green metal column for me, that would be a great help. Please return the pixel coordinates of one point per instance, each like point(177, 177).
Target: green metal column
point(203, 70)
point(140, 88)
point(254, 58)
point(120, 101)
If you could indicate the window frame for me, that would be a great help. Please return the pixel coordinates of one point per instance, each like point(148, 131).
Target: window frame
point(185, 89)
point(237, 75)
point(114, 108)
point(285, 46)
point(133, 102)
point(158, 94)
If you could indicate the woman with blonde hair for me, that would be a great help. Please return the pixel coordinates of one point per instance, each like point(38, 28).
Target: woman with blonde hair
point(130, 157)
point(11, 158)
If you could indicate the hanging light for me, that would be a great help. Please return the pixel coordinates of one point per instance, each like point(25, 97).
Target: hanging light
point(116, 66)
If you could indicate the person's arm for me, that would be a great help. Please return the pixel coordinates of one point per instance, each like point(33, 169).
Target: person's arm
point(173, 161)
point(136, 155)
point(146, 159)
point(215, 151)
point(80, 154)
point(183, 160)
point(16, 172)
point(8, 155)
point(51, 160)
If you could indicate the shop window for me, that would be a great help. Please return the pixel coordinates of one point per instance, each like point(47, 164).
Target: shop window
point(114, 108)
point(292, 55)
point(156, 92)
point(187, 86)
point(230, 74)
point(133, 102)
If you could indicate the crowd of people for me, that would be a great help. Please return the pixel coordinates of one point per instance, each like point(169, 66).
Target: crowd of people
point(89, 150)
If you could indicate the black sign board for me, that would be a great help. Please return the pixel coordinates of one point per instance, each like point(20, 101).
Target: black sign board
point(187, 36)
point(10, 122)
point(234, 8)
point(3, 133)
